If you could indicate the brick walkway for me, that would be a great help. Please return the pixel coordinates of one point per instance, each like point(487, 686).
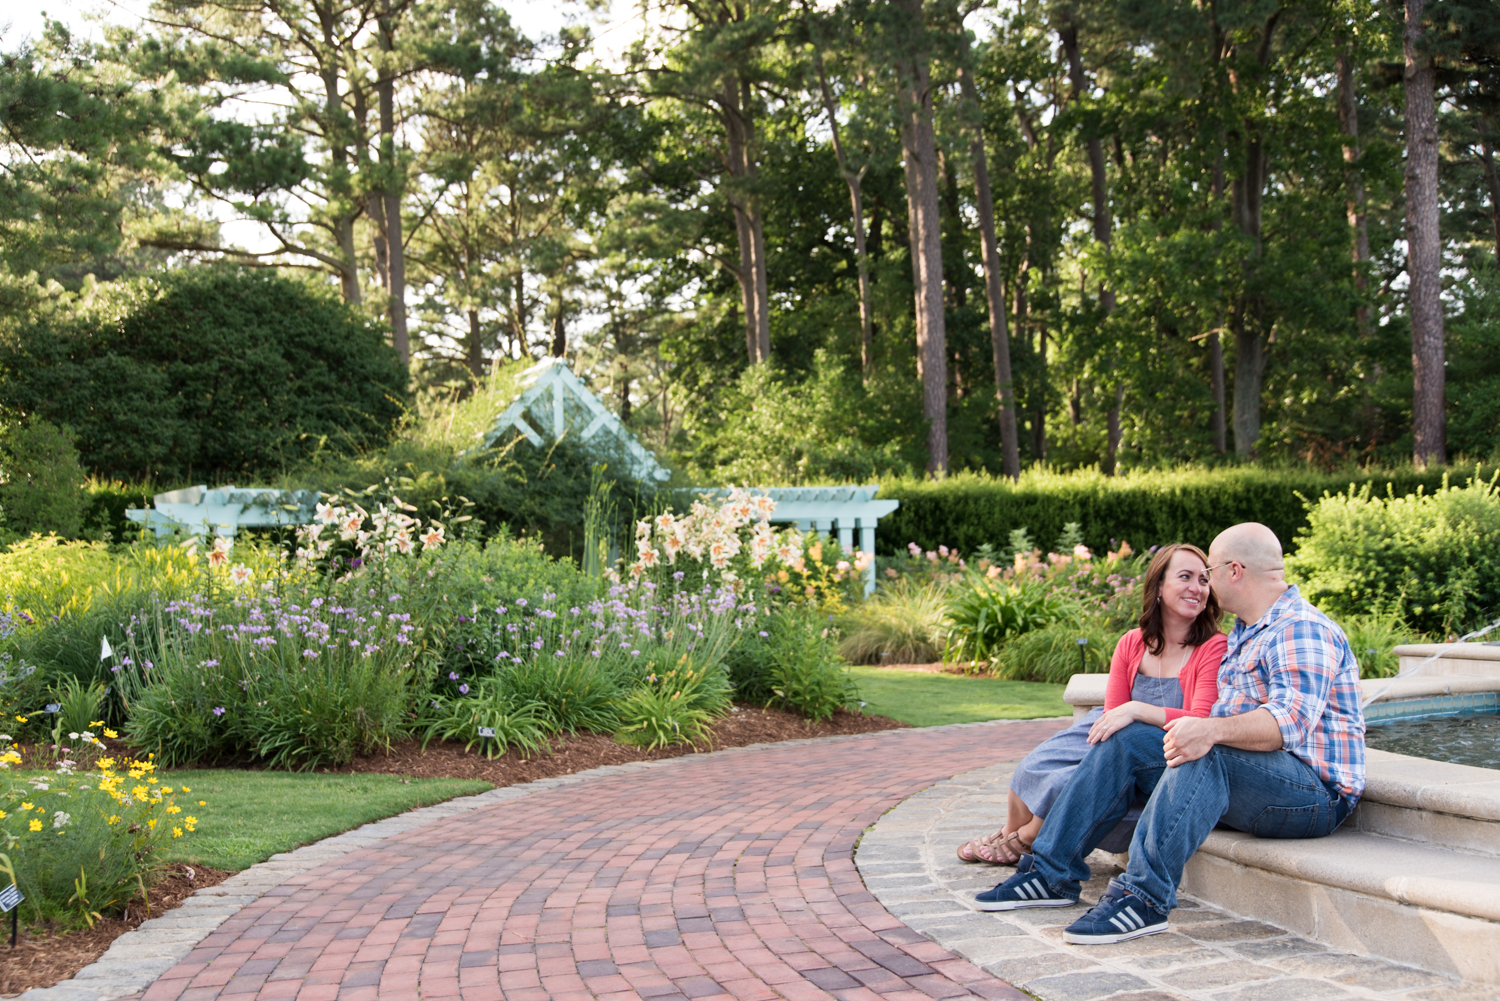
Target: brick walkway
point(725, 876)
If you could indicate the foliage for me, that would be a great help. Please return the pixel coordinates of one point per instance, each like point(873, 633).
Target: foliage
point(86, 836)
point(214, 374)
point(42, 490)
point(1053, 654)
point(982, 616)
point(901, 623)
point(517, 723)
point(804, 672)
point(1431, 558)
point(653, 717)
point(1145, 508)
point(1374, 638)
point(571, 694)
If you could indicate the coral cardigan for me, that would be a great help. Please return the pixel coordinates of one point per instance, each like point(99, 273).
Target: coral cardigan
point(1199, 677)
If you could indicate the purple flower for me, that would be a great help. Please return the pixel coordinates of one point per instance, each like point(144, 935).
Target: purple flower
point(764, 633)
point(452, 675)
point(464, 689)
point(219, 711)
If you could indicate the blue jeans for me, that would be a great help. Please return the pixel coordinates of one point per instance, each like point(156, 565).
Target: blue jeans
point(1269, 794)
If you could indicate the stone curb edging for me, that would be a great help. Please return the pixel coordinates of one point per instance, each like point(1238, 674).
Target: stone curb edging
point(136, 959)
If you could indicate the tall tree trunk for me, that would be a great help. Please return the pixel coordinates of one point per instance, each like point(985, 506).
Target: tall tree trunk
point(919, 146)
point(1249, 343)
point(391, 190)
point(559, 328)
point(1358, 221)
point(474, 347)
point(855, 181)
point(1113, 431)
point(343, 222)
point(739, 131)
point(994, 279)
point(1424, 245)
point(1103, 223)
point(1216, 381)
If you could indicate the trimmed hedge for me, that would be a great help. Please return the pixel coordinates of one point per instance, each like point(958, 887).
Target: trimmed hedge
point(1146, 509)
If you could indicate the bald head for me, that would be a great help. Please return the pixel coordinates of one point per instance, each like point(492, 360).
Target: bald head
point(1252, 545)
point(1248, 574)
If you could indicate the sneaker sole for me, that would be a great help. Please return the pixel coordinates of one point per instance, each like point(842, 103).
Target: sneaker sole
point(1076, 938)
point(1016, 905)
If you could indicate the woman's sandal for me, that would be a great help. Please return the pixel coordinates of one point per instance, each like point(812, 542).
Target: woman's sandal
point(994, 849)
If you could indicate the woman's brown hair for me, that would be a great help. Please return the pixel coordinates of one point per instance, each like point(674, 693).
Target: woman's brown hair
point(1153, 631)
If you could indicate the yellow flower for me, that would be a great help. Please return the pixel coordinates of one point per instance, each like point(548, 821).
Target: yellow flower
point(151, 824)
point(27, 806)
point(110, 733)
point(190, 820)
point(20, 719)
point(174, 809)
point(3, 814)
point(114, 818)
point(153, 781)
point(167, 790)
point(186, 789)
point(176, 832)
point(203, 802)
point(36, 825)
point(97, 722)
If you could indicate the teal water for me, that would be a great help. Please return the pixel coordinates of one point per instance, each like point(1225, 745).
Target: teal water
point(1471, 738)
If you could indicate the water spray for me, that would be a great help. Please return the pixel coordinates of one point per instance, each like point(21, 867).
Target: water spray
point(1446, 647)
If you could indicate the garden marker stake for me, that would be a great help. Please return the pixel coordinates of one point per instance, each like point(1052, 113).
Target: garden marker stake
point(485, 733)
point(1083, 667)
point(104, 650)
point(10, 900)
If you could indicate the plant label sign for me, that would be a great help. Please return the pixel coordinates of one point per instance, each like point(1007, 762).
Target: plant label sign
point(486, 731)
point(53, 707)
point(10, 897)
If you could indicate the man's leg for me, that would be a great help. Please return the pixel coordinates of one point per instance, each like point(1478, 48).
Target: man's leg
point(1115, 773)
point(1267, 793)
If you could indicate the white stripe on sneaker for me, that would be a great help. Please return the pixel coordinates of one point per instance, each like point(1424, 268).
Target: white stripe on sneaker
point(1136, 921)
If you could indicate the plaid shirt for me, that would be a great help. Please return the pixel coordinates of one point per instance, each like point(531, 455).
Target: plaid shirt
point(1296, 663)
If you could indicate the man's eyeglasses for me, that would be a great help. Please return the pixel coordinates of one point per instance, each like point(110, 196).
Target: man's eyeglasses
point(1210, 570)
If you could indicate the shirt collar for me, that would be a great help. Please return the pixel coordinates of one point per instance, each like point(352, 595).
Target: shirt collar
point(1281, 606)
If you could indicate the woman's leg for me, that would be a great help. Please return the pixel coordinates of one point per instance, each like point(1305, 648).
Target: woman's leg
point(1020, 820)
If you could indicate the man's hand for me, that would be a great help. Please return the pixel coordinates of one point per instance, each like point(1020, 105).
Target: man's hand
point(1189, 738)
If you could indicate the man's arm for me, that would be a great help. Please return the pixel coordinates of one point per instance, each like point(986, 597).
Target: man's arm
point(1190, 737)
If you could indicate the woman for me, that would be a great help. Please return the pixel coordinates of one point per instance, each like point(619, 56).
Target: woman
point(1168, 667)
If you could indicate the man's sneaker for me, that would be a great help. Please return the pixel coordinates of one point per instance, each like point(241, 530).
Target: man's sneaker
point(1026, 888)
point(1118, 917)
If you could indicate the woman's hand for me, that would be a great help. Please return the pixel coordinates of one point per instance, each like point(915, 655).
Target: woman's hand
point(1116, 719)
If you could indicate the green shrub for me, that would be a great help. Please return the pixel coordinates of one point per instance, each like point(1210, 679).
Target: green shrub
point(312, 675)
point(523, 725)
point(653, 717)
point(213, 374)
point(983, 615)
point(791, 661)
point(570, 693)
point(1051, 654)
point(1146, 509)
point(1431, 558)
point(41, 480)
point(1374, 639)
point(901, 623)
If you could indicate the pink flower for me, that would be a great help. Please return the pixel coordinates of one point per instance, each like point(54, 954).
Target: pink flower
point(433, 537)
point(241, 574)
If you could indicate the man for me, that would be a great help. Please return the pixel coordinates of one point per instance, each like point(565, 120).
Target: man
point(1281, 756)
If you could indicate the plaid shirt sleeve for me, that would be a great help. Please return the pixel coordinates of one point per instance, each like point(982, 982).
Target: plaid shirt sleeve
point(1301, 678)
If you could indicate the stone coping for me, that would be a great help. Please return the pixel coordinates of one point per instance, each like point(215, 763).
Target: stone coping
point(1450, 651)
point(1439, 879)
point(1434, 786)
point(136, 959)
point(1208, 954)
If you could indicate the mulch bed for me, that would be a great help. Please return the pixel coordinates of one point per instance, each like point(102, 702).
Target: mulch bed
point(43, 959)
point(580, 752)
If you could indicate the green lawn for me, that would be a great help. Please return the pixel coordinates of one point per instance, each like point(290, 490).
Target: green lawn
point(923, 699)
point(251, 816)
